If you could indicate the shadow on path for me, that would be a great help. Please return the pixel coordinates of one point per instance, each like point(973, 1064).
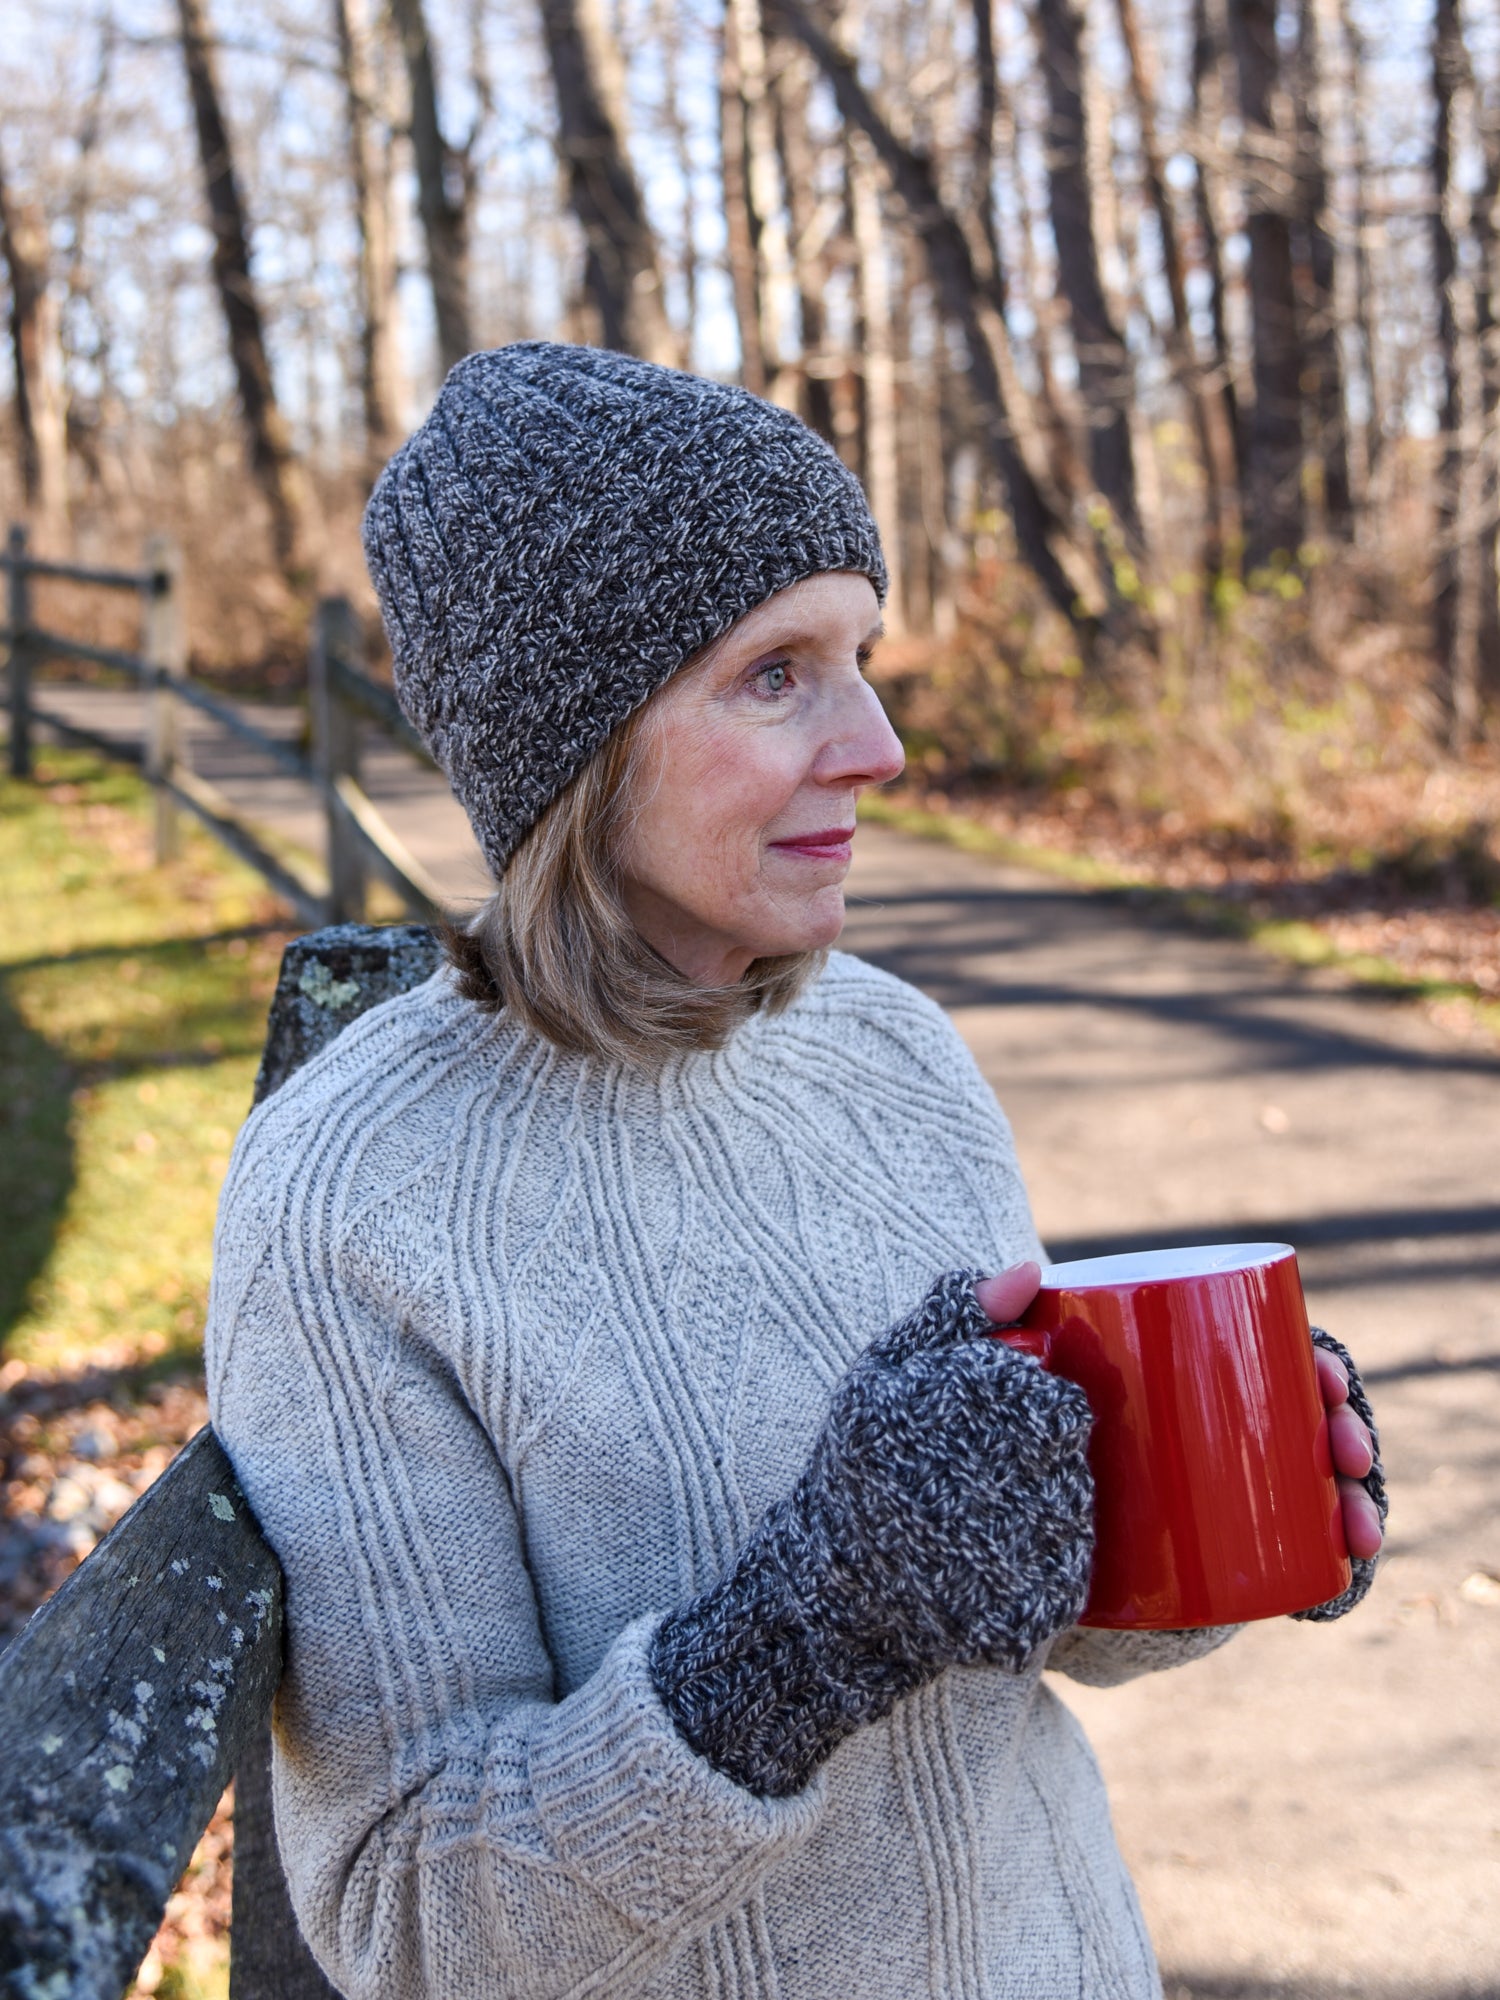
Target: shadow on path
point(1235, 1986)
point(36, 1157)
point(948, 943)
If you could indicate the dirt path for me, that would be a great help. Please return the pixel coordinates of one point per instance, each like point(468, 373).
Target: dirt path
point(1313, 1810)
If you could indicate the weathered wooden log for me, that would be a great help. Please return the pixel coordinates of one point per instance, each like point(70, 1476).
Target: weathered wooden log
point(124, 1707)
point(329, 979)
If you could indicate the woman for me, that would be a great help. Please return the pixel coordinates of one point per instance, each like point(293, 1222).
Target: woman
point(653, 1630)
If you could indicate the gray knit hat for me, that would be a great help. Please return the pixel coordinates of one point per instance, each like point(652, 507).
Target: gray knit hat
point(564, 530)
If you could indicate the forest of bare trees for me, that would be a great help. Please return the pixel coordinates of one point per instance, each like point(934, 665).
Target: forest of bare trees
point(1143, 321)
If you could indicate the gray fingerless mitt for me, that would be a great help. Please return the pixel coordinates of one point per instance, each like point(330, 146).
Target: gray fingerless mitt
point(945, 1518)
point(1373, 1483)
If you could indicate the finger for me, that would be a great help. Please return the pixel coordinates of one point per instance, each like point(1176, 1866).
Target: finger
point(1349, 1442)
point(1333, 1379)
point(1005, 1298)
point(1362, 1529)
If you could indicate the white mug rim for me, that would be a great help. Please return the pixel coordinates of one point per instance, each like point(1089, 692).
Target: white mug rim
point(1154, 1267)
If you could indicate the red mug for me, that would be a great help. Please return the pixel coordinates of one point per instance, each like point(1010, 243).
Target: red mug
point(1215, 1497)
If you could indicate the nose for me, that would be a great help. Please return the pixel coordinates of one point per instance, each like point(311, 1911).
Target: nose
point(861, 747)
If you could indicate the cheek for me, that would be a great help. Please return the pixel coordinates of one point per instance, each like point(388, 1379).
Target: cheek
point(725, 795)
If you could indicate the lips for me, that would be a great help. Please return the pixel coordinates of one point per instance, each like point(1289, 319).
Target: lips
point(832, 843)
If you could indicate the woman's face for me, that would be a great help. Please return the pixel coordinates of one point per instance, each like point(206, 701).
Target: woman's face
point(750, 763)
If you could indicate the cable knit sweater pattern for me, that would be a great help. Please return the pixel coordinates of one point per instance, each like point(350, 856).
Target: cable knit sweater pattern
point(510, 1349)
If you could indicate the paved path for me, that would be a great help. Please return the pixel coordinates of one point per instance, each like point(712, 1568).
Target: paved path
point(1313, 1811)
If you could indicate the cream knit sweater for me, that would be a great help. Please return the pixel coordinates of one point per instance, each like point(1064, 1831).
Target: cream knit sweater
point(509, 1350)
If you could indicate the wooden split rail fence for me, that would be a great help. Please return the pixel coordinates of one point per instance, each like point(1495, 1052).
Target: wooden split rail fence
point(360, 842)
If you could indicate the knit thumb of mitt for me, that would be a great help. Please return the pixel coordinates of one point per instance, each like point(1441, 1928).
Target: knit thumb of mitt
point(945, 1517)
point(1362, 1568)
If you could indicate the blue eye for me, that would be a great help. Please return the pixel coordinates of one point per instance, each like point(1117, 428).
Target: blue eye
point(773, 678)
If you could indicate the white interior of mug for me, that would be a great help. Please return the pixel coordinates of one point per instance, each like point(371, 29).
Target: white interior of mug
point(1144, 1267)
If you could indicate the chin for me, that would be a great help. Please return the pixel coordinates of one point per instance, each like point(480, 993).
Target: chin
point(822, 928)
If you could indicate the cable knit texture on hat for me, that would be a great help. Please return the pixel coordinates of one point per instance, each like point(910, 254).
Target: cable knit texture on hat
point(563, 532)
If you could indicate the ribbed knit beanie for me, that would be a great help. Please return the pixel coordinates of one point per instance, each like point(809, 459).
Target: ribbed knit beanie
point(566, 528)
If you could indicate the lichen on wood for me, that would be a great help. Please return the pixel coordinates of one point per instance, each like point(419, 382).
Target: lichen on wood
point(124, 1707)
point(329, 979)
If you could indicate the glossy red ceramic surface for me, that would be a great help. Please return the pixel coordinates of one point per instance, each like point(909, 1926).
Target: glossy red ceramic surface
point(1216, 1500)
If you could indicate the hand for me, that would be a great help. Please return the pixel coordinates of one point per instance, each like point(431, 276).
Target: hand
point(1353, 1452)
point(944, 1518)
point(1005, 1298)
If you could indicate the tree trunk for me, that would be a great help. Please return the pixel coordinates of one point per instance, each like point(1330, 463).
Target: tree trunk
point(668, 29)
point(1323, 372)
point(622, 273)
point(370, 181)
point(271, 458)
point(741, 222)
point(444, 189)
point(808, 244)
point(1208, 106)
point(1271, 453)
point(1370, 438)
point(36, 368)
point(1042, 414)
point(1104, 370)
point(1041, 535)
point(1485, 221)
point(882, 468)
point(1463, 573)
point(775, 287)
point(986, 118)
point(1208, 404)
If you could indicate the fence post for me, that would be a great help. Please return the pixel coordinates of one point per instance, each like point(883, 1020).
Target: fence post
point(19, 662)
point(164, 651)
point(336, 754)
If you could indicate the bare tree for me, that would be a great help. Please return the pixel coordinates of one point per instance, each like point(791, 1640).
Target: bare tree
point(36, 362)
point(271, 458)
point(878, 352)
point(1464, 583)
point(1208, 104)
point(1363, 228)
point(1105, 376)
point(667, 29)
point(1207, 394)
point(1323, 370)
point(445, 188)
point(766, 192)
point(1041, 532)
point(812, 223)
point(1271, 450)
point(742, 222)
point(370, 181)
point(622, 269)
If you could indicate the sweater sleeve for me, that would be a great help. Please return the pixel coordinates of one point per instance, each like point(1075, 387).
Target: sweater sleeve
point(1098, 1658)
point(450, 1830)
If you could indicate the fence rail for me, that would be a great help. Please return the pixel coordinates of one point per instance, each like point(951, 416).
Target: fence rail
point(360, 841)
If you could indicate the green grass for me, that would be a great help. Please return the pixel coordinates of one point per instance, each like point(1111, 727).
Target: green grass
point(132, 1008)
point(973, 837)
point(1298, 943)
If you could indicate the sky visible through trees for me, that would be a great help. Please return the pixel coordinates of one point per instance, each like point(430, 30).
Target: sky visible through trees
point(1150, 289)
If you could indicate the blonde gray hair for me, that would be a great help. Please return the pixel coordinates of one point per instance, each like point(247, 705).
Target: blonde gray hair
point(554, 946)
